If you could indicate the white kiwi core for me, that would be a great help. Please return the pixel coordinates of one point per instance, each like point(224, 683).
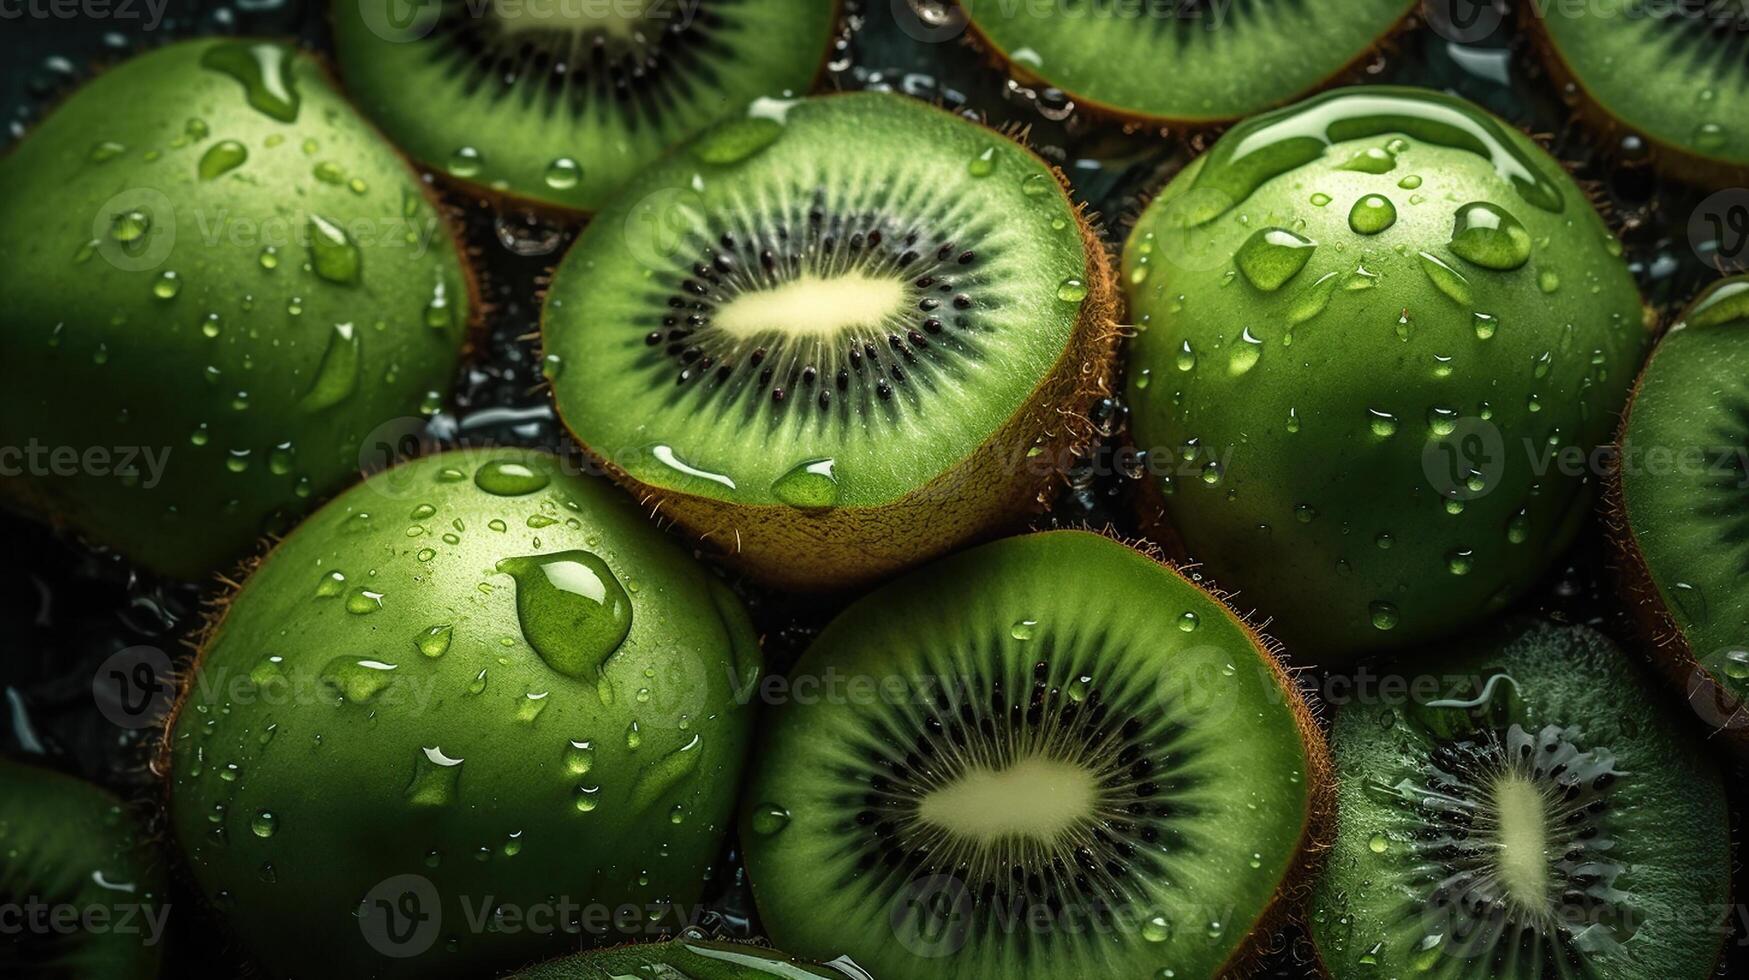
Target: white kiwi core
point(1034, 797)
point(1523, 838)
point(811, 306)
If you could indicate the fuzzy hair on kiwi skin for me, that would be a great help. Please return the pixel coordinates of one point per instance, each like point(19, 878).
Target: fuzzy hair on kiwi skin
point(508, 202)
point(781, 546)
point(995, 58)
point(1666, 157)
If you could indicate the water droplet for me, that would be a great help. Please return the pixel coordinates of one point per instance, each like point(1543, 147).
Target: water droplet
point(1449, 281)
point(337, 374)
point(1377, 844)
point(436, 778)
point(1024, 629)
point(667, 774)
point(221, 158)
point(167, 286)
point(331, 585)
point(572, 609)
point(588, 798)
point(1245, 354)
point(129, 226)
point(1518, 527)
point(1485, 326)
point(466, 162)
point(106, 151)
point(563, 174)
point(362, 601)
point(1442, 421)
point(1156, 928)
point(1314, 299)
point(1459, 561)
point(984, 164)
point(1186, 358)
point(1037, 185)
point(809, 485)
point(1383, 424)
point(1736, 664)
point(1374, 160)
point(510, 478)
point(1384, 615)
point(264, 69)
point(333, 256)
point(1188, 622)
point(434, 641)
point(769, 819)
point(356, 680)
point(1272, 256)
point(1372, 214)
point(1548, 280)
point(1488, 235)
point(1072, 290)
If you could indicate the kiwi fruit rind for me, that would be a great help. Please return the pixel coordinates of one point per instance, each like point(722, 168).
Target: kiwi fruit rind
point(1382, 334)
point(1183, 61)
point(85, 895)
point(481, 669)
point(1535, 809)
point(690, 957)
point(874, 334)
point(1678, 515)
point(559, 104)
point(1047, 756)
point(220, 280)
point(1673, 73)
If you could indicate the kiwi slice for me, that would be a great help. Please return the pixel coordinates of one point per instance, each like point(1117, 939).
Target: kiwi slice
point(1049, 756)
point(82, 895)
point(1195, 61)
point(223, 283)
point(1383, 334)
point(1674, 73)
point(1681, 519)
point(691, 957)
point(461, 719)
point(560, 103)
point(873, 332)
point(1533, 812)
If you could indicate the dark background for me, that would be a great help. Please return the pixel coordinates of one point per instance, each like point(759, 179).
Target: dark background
point(65, 607)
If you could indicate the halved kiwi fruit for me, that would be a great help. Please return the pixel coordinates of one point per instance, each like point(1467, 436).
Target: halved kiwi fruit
point(1382, 335)
point(559, 102)
point(460, 719)
point(1049, 756)
point(1675, 73)
point(81, 895)
point(1195, 61)
point(1535, 810)
point(220, 282)
point(868, 330)
point(690, 957)
point(1680, 504)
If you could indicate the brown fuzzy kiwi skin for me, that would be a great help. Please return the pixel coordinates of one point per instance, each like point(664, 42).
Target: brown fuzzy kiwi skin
point(508, 203)
point(994, 488)
point(996, 58)
point(1666, 647)
point(1668, 158)
point(1317, 833)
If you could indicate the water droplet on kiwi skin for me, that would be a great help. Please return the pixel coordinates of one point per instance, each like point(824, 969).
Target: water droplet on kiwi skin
point(571, 607)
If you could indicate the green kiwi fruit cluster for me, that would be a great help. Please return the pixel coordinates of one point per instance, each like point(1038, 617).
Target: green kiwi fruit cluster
point(83, 894)
point(836, 364)
point(1538, 812)
point(1025, 769)
point(1371, 324)
point(557, 104)
point(262, 282)
point(1672, 73)
point(1677, 504)
point(1207, 61)
point(475, 686)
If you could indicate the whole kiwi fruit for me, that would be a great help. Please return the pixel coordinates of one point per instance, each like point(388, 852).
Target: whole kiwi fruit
point(1382, 336)
point(841, 361)
point(557, 105)
point(82, 892)
point(222, 281)
point(462, 718)
point(1534, 808)
point(1048, 756)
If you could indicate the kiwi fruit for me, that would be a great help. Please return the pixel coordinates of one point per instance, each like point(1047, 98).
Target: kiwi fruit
point(558, 104)
point(1677, 508)
point(873, 334)
point(690, 957)
point(1048, 756)
point(221, 280)
point(1382, 335)
point(82, 895)
point(1183, 61)
point(1672, 73)
point(458, 721)
point(1535, 810)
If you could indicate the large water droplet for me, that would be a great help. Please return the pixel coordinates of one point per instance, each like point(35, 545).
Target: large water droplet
point(809, 485)
point(337, 374)
point(333, 255)
point(1272, 256)
point(357, 680)
point(266, 73)
point(769, 819)
point(666, 774)
point(434, 641)
point(510, 478)
point(436, 778)
point(1487, 235)
point(573, 610)
point(1372, 214)
point(221, 158)
point(1448, 280)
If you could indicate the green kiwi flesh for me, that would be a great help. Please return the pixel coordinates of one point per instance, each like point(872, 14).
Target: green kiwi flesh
point(70, 853)
point(1538, 812)
point(220, 280)
point(870, 331)
point(1682, 517)
point(1377, 328)
point(1049, 756)
point(1195, 61)
point(690, 957)
point(481, 670)
point(560, 104)
point(1676, 73)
